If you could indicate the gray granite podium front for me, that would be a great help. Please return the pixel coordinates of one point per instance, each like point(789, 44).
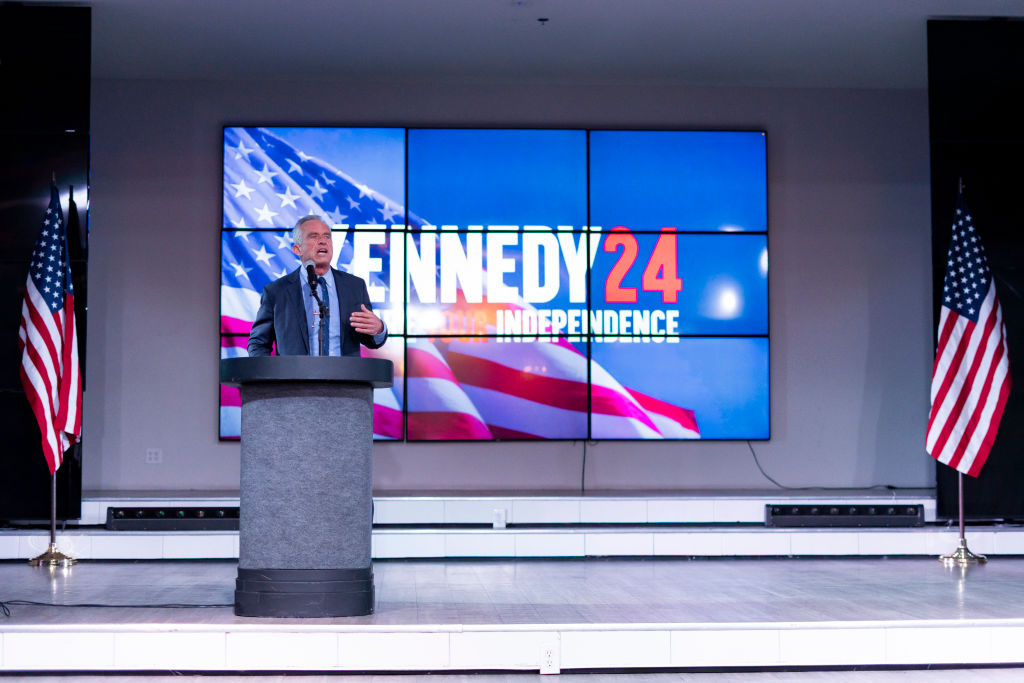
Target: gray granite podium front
point(306, 499)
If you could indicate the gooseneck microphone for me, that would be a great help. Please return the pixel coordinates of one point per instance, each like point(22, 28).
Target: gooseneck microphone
point(323, 309)
point(310, 274)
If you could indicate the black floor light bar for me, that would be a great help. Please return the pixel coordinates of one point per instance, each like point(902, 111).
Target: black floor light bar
point(843, 515)
point(172, 519)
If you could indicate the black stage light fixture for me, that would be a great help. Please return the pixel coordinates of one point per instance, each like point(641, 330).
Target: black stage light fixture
point(843, 515)
point(172, 519)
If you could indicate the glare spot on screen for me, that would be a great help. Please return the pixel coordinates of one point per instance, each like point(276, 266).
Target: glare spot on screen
point(728, 303)
point(762, 262)
point(723, 299)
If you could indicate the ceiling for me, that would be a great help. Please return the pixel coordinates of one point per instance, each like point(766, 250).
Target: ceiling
point(782, 43)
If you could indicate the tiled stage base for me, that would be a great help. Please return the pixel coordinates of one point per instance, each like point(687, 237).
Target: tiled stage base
point(529, 615)
point(702, 525)
point(538, 543)
point(548, 648)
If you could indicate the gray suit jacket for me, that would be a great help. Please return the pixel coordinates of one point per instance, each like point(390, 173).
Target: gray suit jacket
point(282, 317)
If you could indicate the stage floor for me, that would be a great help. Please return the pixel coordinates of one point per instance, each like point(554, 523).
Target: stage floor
point(527, 614)
point(987, 675)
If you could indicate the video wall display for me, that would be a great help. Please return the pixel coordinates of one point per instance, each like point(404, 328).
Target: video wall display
point(536, 284)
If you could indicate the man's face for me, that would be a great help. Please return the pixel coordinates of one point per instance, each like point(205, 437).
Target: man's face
point(315, 245)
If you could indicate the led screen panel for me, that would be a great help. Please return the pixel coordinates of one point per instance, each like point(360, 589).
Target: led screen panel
point(684, 387)
point(530, 266)
point(493, 388)
point(472, 283)
point(673, 284)
point(274, 176)
point(389, 403)
point(490, 178)
point(687, 180)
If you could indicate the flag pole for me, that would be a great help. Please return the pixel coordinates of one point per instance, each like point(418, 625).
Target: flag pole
point(962, 556)
point(53, 557)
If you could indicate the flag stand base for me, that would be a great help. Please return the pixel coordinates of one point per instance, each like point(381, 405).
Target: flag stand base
point(53, 557)
point(962, 556)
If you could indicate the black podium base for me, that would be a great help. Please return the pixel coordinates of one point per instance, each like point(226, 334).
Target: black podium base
point(304, 592)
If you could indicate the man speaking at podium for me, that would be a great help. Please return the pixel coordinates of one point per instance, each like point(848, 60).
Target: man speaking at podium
point(291, 315)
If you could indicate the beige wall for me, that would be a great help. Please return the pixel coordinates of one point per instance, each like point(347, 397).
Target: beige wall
point(850, 282)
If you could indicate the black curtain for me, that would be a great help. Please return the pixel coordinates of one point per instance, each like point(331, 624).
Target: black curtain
point(975, 83)
point(44, 132)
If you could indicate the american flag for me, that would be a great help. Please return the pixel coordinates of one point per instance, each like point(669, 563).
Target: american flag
point(48, 341)
point(971, 377)
point(458, 389)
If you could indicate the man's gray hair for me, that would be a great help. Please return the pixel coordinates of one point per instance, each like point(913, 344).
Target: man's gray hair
point(297, 232)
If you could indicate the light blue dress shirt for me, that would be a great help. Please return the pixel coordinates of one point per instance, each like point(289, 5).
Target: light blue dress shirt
point(333, 321)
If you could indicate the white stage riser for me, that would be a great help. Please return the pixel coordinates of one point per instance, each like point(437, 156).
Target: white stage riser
point(189, 647)
point(404, 511)
point(543, 543)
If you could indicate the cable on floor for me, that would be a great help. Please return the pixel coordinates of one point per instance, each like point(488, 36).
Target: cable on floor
point(5, 609)
point(887, 487)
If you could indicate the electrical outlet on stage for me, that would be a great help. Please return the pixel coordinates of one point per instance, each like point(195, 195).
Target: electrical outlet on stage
point(499, 518)
point(154, 456)
point(550, 658)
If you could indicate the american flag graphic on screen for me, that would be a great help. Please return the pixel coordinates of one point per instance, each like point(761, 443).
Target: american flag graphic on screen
point(971, 376)
point(457, 389)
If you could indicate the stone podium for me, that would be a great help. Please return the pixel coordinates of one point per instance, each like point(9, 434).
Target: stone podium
point(306, 502)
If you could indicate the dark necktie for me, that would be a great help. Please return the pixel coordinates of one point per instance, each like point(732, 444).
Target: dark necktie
point(326, 298)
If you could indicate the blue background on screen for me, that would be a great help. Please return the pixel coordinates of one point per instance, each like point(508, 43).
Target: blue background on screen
point(498, 177)
point(685, 179)
point(372, 156)
point(716, 270)
point(723, 380)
